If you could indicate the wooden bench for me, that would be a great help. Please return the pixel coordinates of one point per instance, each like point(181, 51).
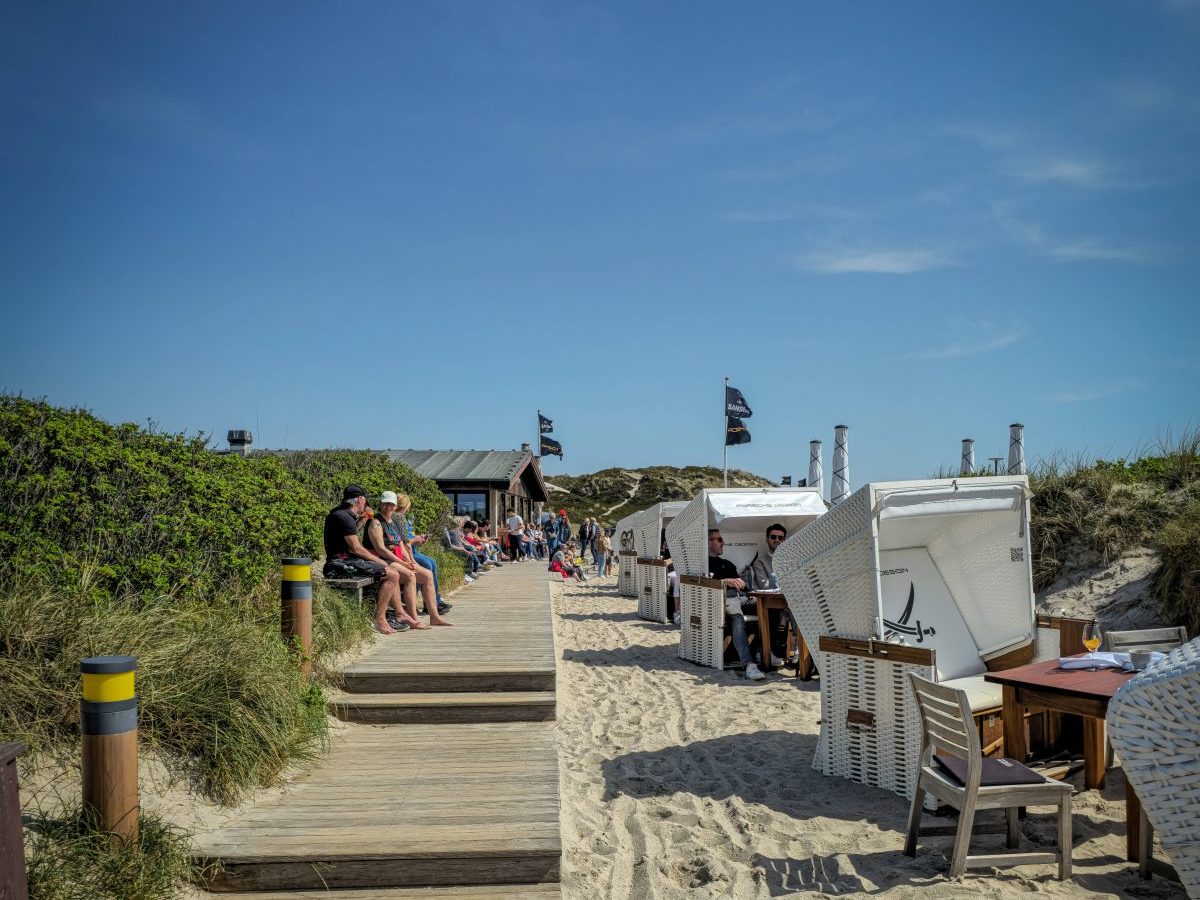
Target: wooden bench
point(350, 584)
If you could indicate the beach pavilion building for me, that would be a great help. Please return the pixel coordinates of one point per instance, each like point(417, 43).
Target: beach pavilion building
point(483, 484)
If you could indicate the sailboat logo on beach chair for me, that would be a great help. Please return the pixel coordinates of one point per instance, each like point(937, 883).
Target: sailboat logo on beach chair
point(901, 626)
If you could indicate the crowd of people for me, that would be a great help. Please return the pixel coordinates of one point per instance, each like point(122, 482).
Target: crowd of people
point(362, 543)
point(381, 544)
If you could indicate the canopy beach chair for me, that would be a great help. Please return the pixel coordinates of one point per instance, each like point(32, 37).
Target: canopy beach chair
point(651, 571)
point(928, 577)
point(743, 515)
point(1154, 724)
point(623, 543)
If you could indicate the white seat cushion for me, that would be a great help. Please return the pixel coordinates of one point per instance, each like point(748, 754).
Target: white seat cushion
point(981, 694)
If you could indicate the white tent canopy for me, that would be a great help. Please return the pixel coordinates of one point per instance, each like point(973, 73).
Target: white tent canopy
point(743, 515)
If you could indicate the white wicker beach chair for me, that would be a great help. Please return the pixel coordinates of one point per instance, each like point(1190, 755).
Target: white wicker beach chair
point(743, 515)
point(931, 578)
point(626, 556)
point(651, 570)
point(1154, 724)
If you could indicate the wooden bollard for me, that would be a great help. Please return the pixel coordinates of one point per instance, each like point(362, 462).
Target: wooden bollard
point(108, 719)
point(13, 884)
point(295, 592)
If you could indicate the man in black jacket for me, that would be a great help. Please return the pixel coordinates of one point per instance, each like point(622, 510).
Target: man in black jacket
point(737, 604)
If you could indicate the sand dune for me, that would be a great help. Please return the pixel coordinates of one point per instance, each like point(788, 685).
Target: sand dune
point(685, 782)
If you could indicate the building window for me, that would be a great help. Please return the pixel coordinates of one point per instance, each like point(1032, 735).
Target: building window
point(471, 504)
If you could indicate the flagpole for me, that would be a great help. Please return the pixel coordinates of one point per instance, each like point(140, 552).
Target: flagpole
point(725, 435)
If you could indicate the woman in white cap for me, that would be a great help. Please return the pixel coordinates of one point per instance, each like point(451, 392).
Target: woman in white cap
point(386, 536)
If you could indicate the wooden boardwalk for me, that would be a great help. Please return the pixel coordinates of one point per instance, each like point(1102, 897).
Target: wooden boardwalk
point(461, 793)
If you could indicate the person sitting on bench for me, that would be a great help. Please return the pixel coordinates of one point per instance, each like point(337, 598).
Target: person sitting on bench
point(737, 604)
point(346, 557)
point(385, 539)
point(455, 544)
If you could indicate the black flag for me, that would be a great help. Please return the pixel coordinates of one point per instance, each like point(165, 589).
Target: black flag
point(545, 426)
point(735, 432)
point(735, 403)
point(551, 447)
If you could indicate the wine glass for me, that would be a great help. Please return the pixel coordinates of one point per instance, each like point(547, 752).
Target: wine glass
point(1092, 638)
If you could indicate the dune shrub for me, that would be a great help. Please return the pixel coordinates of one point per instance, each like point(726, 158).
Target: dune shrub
point(1177, 582)
point(117, 539)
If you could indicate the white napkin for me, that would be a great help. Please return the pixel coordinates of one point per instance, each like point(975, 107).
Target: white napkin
point(1104, 660)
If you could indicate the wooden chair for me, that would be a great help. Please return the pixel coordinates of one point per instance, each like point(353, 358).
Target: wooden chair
point(946, 725)
point(1162, 639)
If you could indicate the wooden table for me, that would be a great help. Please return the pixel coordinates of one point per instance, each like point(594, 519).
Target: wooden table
point(1077, 692)
point(768, 600)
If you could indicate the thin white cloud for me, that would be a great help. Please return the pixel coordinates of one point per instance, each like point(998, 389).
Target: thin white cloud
point(1084, 249)
point(1101, 390)
point(1075, 172)
point(885, 262)
point(985, 343)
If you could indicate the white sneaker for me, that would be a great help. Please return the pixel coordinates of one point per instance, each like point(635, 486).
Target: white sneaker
point(468, 579)
point(675, 618)
point(776, 662)
point(754, 673)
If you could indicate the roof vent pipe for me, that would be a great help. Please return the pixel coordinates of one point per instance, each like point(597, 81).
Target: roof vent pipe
point(1016, 449)
point(841, 465)
point(968, 458)
point(814, 466)
point(527, 447)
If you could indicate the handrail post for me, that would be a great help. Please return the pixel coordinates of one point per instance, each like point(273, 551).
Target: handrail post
point(108, 721)
point(295, 592)
point(13, 884)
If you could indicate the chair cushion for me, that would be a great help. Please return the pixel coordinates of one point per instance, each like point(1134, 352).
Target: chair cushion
point(981, 694)
point(995, 772)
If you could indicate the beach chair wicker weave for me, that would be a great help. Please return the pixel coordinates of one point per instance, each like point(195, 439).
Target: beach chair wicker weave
point(623, 539)
point(939, 565)
point(743, 515)
point(651, 578)
point(1154, 725)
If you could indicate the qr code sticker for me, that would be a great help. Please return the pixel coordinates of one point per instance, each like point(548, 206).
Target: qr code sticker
point(1016, 554)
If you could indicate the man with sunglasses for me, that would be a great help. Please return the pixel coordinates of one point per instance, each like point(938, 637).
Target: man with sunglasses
point(737, 604)
point(759, 575)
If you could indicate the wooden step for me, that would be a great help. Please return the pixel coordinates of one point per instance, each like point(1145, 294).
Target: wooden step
point(476, 679)
point(469, 892)
point(452, 707)
point(403, 806)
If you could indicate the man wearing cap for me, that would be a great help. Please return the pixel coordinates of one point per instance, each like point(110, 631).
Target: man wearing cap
point(353, 560)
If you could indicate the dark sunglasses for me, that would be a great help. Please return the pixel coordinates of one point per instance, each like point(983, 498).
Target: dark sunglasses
point(717, 539)
point(776, 537)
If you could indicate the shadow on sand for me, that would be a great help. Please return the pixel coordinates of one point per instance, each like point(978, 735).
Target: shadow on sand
point(664, 658)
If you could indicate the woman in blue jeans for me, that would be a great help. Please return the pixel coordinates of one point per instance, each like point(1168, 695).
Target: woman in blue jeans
point(404, 504)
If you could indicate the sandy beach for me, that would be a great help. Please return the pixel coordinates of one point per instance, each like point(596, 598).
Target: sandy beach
point(683, 782)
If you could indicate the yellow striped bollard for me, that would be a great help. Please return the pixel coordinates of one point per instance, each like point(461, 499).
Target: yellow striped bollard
point(108, 719)
point(295, 592)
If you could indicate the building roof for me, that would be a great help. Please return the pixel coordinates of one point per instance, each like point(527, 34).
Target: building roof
point(502, 466)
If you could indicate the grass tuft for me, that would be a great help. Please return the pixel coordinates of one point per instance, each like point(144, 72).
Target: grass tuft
point(217, 688)
point(70, 860)
point(1177, 582)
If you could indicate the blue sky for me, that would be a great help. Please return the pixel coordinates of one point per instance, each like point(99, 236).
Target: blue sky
point(410, 225)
